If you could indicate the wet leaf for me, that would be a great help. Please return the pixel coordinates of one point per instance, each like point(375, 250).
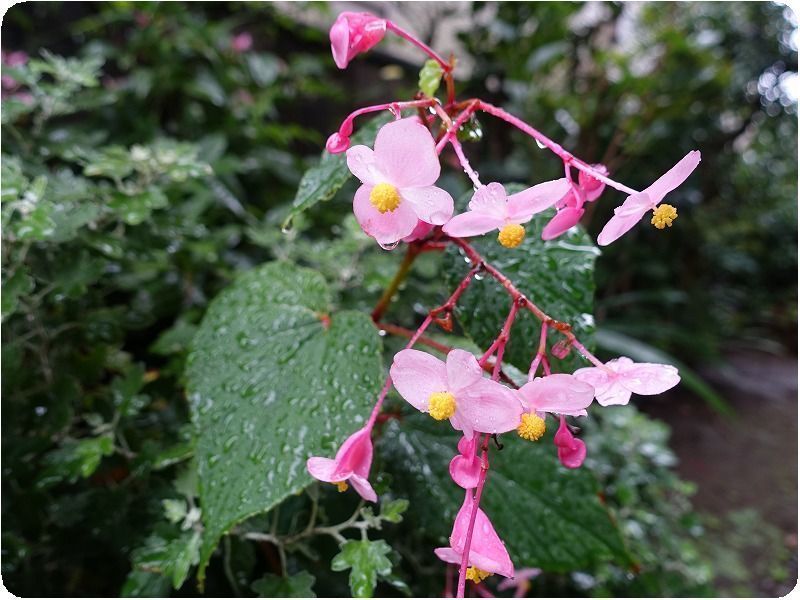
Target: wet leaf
point(430, 77)
point(272, 381)
point(366, 560)
point(299, 585)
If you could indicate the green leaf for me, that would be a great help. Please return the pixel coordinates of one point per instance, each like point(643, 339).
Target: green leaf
point(393, 511)
point(145, 584)
point(299, 585)
point(136, 208)
point(264, 68)
point(174, 510)
point(19, 284)
point(429, 77)
point(273, 380)
point(169, 553)
point(366, 561)
point(321, 182)
point(616, 342)
point(557, 276)
point(75, 459)
point(547, 515)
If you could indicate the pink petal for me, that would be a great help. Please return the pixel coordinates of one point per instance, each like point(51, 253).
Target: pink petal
point(571, 450)
point(321, 468)
point(448, 555)
point(465, 468)
point(355, 454)
point(592, 188)
point(487, 551)
point(649, 378)
point(361, 162)
point(488, 407)
point(463, 370)
point(420, 231)
point(432, 204)
point(614, 393)
point(523, 205)
point(471, 223)
point(559, 394)
point(363, 487)
point(607, 389)
point(625, 217)
point(564, 220)
point(674, 177)
point(416, 375)
point(353, 33)
point(406, 154)
point(387, 228)
point(490, 200)
point(340, 41)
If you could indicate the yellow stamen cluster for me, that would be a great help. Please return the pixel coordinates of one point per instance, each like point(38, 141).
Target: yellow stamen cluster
point(341, 485)
point(477, 575)
point(664, 215)
point(532, 427)
point(441, 405)
point(384, 197)
point(511, 235)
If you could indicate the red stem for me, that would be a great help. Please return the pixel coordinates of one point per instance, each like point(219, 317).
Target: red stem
point(446, 67)
point(462, 573)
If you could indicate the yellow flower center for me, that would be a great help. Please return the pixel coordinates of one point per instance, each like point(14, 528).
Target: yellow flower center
point(477, 575)
point(532, 427)
point(441, 405)
point(664, 215)
point(384, 197)
point(341, 485)
point(511, 235)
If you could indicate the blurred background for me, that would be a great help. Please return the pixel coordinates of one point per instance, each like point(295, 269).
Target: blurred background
point(151, 151)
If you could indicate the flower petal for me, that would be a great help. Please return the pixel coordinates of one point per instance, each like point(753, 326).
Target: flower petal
point(649, 378)
point(340, 41)
point(487, 551)
point(674, 177)
point(488, 407)
point(465, 468)
point(471, 223)
point(420, 231)
point(490, 200)
point(387, 228)
point(625, 217)
point(564, 220)
point(355, 454)
point(430, 203)
point(406, 154)
point(523, 205)
point(361, 162)
point(321, 468)
point(448, 555)
point(560, 394)
point(363, 487)
point(463, 370)
point(416, 375)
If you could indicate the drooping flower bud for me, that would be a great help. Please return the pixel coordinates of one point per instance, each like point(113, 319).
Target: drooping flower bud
point(354, 33)
point(592, 187)
point(571, 450)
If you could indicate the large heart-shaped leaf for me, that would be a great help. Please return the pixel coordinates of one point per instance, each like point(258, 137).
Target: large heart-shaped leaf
point(549, 516)
point(558, 276)
point(272, 380)
point(322, 181)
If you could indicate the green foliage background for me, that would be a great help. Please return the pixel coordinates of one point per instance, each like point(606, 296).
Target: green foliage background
point(147, 163)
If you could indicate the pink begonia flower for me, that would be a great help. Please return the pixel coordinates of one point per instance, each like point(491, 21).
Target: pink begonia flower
point(491, 208)
point(570, 207)
point(487, 552)
point(559, 394)
point(16, 58)
point(571, 450)
point(521, 582)
point(398, 178)
point(614, 383)
point(353, 33)
point(455, 390)
point(465, 468)
point(241, 42)
point(352, 464)
point(420, 231)
point(636, 205)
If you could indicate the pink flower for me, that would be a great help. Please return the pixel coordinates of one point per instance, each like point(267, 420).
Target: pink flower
point(570, 207)
point(353, 33)
point(614, 383)
point(420, 231)
point(571, 450)
point(491, 208)
point(521, 582)
point(352, 464)
point(636, 205)
point(398, 178)
point(559, 394)
point(455, 390)
point(241, 42)
point(465, 468)
point(487, 552)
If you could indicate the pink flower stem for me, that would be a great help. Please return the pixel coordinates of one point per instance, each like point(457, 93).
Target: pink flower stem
point(539, 353)
point(588, 355)
point(465, 163)
point(346, 128)
point(567, 157)
point(453, 129)
point(446, 67)
point(462, 573)
point(502, 339)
